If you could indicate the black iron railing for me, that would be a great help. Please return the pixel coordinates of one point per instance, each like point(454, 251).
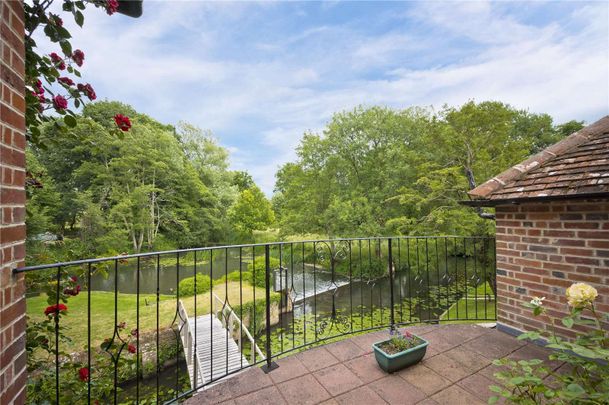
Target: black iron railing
point(160, 326)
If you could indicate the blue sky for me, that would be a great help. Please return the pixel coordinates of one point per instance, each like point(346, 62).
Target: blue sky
point(258, 75)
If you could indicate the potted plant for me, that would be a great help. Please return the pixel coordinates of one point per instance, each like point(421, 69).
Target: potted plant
point(400, 351)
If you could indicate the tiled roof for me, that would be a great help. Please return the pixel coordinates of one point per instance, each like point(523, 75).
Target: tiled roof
point(576, 166)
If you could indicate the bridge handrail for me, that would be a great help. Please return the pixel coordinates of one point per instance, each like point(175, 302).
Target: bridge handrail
point(233, 317)
point(190, 353)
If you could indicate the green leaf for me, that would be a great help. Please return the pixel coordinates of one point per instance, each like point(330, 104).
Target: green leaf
point(79, 18)
point(70, 121)
point(63, 33)
point(575, 389)
point(80, 5)
point(517, 380)
point(568, 322)
point(493, 400)
point(77, 73)
point(583, 351)
point(66, 47)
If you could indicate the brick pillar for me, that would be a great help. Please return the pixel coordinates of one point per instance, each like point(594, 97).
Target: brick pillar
point(13, 374)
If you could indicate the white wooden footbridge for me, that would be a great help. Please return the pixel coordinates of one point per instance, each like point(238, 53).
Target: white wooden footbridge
point(213, 343)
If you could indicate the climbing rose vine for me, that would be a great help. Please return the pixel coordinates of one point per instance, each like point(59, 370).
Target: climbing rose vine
point(57, 72)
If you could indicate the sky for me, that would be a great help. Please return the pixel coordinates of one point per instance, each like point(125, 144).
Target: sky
point(258, 75)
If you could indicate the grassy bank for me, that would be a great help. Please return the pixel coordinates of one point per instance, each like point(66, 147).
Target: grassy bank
point(103, 311)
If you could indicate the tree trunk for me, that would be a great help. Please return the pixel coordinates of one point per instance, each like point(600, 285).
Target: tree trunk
point(472, 185)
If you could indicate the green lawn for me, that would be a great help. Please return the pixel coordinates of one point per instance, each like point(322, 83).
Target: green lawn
point(471, 308)
point(103, 307)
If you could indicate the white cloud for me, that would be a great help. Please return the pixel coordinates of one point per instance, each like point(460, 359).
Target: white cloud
point(185, 62)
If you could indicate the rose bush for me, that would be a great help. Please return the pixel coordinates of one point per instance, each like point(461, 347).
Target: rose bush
point(46, 339)
point(585, 380)
point(44, 71)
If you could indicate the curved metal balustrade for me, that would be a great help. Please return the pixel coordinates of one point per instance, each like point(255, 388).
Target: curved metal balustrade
point(268, 300)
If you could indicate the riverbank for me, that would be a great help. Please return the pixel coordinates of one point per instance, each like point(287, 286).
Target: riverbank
point(104, 304)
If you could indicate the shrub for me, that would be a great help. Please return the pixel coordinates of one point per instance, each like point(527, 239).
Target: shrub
point(245, 277)
point(187, 285)
point(586, 380)
point(258, 269)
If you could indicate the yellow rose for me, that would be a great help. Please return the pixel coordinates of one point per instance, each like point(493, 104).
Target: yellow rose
point(580, 295)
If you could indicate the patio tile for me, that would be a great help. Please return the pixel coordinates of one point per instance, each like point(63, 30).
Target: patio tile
point(470, 360)
point(489, 372)
point(494, 345)
point(424, 379)
point(345, 350)
point(303, 390)
point(455, 395)
point(366, 341)
point(337, 379)
point(420, 329)
point(366, 368)
point(361, 395)
point(532, 351)
point(439, 342)
point(251, 380)
point(269, 395)
point(289, 367)
point(330, 401)
point(396, 390)
point(478, 385)
point(447, 367)
point(316, 359)
point(214, 395)
point(427, 401)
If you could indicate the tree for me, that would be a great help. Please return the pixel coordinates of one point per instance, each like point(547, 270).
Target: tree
point(122, 195)
point(379, 171)
point(252, 211)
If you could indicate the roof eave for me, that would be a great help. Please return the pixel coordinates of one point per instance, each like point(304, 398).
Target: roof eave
point(512, 201)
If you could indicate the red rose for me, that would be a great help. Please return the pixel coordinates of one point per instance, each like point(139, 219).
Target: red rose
point(40, 97)
point(111, 6)
point(78, 56)
point(55, 309)
point(57, 61)
point(83, 374)
point(131, 349)
point(39, 88)
point(90, 92)
point(74, 278)
point(66, 80)
point(134, 332)
point(122, 122)
point(72, 291)
point(60, 103)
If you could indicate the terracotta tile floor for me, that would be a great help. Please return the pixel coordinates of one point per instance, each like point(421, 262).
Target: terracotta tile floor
point(456, 370)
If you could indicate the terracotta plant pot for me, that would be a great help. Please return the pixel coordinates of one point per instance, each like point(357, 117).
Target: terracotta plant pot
point(400, 360)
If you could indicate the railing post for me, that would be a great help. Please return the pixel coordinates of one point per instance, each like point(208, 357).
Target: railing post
point(270, 365)
point(391, 279)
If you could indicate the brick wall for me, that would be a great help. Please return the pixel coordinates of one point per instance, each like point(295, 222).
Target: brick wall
point(12, 204)
point(542, 249)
